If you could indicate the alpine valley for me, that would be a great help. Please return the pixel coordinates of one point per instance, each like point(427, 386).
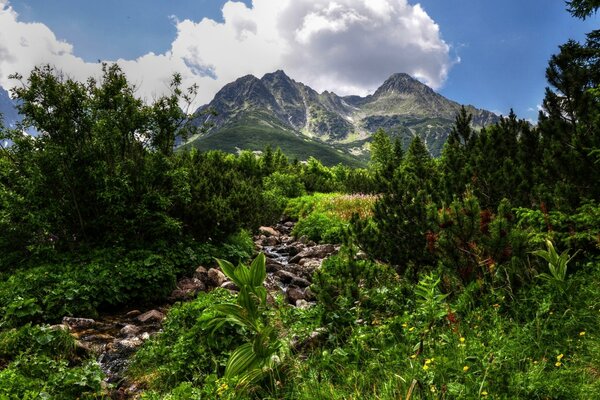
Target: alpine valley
point(252, 113)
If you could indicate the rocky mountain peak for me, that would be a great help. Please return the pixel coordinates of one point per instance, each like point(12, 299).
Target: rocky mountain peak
point(402, 83)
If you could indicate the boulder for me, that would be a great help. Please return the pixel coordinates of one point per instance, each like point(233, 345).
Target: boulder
point(129, 330)
point(294, 294)
point(201, 274)
point(268, 231)
point(133, 313)
point(272, 265)
point(285, 276)
point(151, 316)
point(303, 304)
point(230, 286)
point(301, 282)
point(78, 323)
point(271, 241)
point(216, 278)
point(319, 251)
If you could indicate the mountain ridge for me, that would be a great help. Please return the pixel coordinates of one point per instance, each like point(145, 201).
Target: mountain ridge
point(402, 105)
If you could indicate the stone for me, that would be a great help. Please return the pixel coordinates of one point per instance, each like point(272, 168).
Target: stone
point(129, 330)
point(303, 304)
point(300, 282)
point(294, 294)
point(319, 251)
point(129, 344)
point(133, 313)
point(215, 277)
point(201, 274)
point(361, 255)
point(285, 276)
point(151, 316)
point(145, 336)
point(309, 295)
point(272, 265)
point(230, 286)
point(271, 241)
point(59, 327)
point(268, 231)
point(288, 224)
point(303, 239)
point(78, 323)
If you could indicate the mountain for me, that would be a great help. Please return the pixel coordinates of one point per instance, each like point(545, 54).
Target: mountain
point(7, 109)
point(250, 113)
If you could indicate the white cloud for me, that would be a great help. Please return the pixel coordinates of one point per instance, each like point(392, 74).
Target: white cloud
point(346, 46)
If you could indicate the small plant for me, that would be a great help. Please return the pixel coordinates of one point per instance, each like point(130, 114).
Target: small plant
point(250, 361)
point(557, 264)
point(430, 301)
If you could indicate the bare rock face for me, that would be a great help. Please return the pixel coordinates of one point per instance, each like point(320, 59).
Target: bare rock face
point(216, 278)
point(152, 316)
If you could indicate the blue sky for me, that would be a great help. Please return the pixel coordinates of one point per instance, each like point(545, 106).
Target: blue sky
point(503, 46)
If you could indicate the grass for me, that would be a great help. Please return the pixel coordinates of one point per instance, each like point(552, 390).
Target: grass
point(250, 133)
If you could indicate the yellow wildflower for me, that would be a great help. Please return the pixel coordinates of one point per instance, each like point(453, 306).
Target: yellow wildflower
point(404, 325)
point(558, 363)
point(484, 393)
point(582, 333)
point(425, 367)
point(465, 368)
point(413, 356)
point(462, 339)
point(428, 361)
point(412, 328)
point(559, 357)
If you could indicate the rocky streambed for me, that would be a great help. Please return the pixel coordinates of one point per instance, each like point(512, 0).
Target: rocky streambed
point(114, 338)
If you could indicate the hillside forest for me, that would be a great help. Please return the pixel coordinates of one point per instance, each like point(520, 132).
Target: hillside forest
point(472, 275)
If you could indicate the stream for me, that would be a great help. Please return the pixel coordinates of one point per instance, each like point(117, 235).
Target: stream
point(114, 337)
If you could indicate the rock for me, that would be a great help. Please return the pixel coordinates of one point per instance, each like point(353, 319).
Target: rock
point(311, 265)
point(215, 277)
point(201, 274)
point(133, 313)
point(294, 294)
point(303, 239)
point(319, 251)
point(230, 286)
point(129, 330)
point(301, 282)
point(187, 288)
point(303, 304)
point(78, 323)
point(361, 255)
point(309, 295)
point(271, 241)
point(59, 327)
point(82, 348)
point(151, 316)
point(288, 224)
point(317, 336)
point(128, 344)
point(268, 231)
point(311, 243)
point(285, 276)
point(272, 265)
point(295, 248)
point(145, 336)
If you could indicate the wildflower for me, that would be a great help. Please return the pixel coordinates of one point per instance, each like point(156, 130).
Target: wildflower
point(428, 361)
point(413, 356)
point(425, 367)
point(558, 363)
point(559, 357)
point(484, 393)
point(404, 325)
point(412, 328)
point(465, 368)
point(432, 389)
point(462, 339)
point(582, 333)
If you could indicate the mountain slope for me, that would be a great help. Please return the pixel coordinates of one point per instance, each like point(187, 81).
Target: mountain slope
point(9, 113)
point(402, 105)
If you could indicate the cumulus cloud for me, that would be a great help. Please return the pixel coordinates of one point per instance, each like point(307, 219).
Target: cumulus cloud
point(345, 46)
